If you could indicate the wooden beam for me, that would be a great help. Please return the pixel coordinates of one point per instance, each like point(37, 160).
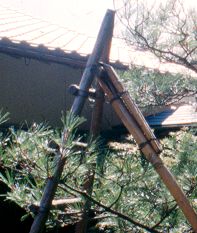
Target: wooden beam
point(61, 203)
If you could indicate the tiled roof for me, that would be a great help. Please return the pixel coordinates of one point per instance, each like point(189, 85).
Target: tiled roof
point(175, 117)
point(24, 35)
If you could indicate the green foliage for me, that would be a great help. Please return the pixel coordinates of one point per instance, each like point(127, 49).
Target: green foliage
point(124, 181)
point(152, 88)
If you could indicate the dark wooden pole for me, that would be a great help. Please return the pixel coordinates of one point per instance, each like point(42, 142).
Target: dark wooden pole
point(81, 226)
point(47, 197)
point(104, 37)
point(97, 113)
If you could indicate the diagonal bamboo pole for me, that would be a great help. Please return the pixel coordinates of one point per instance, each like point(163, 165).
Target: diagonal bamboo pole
point(104, 36)
point(89, 73)
point(132, 107)
point(47, 197)
point(133, 126)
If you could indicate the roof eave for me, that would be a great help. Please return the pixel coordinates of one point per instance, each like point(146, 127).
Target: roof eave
point(44, 54)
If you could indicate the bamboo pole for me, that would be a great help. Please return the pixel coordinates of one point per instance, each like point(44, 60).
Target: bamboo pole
point(89, 73)
point(61, 203)
point(104, 37)
point(47, 197)
point(149, 152)
point(81, 226)
point(132, 108)
point(102, 53)
point(97, 113)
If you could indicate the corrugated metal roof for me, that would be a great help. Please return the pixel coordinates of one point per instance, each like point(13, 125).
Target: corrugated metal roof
point(18, 27)
point(178, 116)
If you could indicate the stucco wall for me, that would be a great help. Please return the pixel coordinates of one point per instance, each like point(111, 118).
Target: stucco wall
point(31, 90)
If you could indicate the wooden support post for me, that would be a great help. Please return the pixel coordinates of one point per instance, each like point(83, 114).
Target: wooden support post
point(97, 113)
point(131, 122)
point(95, 128)
point(132, 107)
point(81, 226)
point(104, 36)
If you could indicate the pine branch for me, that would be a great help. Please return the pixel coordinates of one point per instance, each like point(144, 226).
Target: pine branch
point(108, 209)
point(165, 216)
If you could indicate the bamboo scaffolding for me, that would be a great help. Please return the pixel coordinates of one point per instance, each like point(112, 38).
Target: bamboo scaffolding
point(132, 119)
point(129, 114)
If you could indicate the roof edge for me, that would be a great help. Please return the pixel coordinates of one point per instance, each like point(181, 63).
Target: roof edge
point(45, 54)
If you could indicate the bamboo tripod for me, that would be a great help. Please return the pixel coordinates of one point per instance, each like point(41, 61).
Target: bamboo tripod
point(131, 117)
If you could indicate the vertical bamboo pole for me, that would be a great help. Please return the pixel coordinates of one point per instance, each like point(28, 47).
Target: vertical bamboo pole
point(148, 150)
point(81, 226)
point(95, 127)
point(97, 113)
point(89, 73)
point(47, 197)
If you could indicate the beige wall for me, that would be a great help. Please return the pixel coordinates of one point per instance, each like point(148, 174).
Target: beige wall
point(31, 90)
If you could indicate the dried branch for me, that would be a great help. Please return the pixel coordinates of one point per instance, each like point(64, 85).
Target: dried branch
point(172, 19)
point(61, 203)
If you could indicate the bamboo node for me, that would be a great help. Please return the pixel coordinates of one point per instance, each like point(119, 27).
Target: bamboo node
point(148, 142)
point(157, 165)
point(117, 96)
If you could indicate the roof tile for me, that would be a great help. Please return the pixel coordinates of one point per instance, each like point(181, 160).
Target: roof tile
point(18, 27)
